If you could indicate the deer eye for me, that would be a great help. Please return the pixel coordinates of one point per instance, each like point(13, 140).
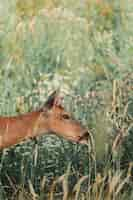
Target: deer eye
point(65, 116)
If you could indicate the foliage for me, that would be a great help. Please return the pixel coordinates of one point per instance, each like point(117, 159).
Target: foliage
point(85, 49)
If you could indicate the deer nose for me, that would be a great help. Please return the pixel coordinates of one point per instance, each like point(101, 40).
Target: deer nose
point(84, 135)
point(83, 139)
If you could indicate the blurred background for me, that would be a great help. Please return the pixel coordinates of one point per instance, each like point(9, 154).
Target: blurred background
point(84, 48)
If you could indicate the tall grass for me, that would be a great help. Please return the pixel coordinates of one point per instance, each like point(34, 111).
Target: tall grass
point(85, 49)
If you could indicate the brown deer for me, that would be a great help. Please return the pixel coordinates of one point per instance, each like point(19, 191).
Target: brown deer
point(52, 118)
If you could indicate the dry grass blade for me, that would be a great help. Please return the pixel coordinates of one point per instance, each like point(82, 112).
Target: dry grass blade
point(43, 182)
point(65, 188)
point(78, 186)
point(120, 136)
point(97, 190)
point(11, 183)
point(64, 180)
point(32, 191)
point(59, 180)
point(114, 100)
point(35, 153)
point(121, 185)
point(113, 183)
point(126, 180)
point(117, 141)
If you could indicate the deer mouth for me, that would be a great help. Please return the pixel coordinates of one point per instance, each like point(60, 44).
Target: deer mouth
point(84, 138)
point(80, 139)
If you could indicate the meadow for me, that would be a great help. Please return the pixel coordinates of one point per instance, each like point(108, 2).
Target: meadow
point(84, 49)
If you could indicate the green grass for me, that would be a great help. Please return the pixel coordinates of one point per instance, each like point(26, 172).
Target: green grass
point(85, 49)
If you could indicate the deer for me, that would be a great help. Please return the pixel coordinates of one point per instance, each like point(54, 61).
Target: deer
point(50, 118)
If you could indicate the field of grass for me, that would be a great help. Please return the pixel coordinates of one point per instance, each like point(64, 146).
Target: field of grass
point(85, 49)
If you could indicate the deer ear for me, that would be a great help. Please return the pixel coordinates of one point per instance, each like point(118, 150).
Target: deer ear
point(51, 101)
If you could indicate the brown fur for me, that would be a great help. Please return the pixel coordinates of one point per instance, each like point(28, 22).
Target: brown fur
point(51, 118)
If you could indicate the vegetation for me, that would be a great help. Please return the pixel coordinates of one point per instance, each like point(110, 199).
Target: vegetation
point(85, 49)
